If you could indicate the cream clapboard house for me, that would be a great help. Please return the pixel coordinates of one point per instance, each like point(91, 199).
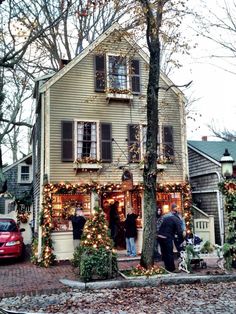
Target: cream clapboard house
point(90, 131)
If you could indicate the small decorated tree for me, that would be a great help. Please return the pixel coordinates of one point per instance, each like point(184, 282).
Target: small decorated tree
point(95, 257)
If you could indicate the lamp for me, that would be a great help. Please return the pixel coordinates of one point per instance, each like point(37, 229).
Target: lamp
point(227, 164)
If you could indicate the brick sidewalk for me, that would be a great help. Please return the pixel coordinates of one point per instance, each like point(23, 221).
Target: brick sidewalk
point(26, 278)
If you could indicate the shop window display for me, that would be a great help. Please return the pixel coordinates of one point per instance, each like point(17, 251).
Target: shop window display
point(64, 206)
point(165, 200)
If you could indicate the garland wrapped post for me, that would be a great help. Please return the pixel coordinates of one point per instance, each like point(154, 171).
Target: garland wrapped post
point(228, 189)
point(47, 256)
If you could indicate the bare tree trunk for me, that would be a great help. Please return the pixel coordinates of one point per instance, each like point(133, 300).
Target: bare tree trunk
point(153, 21)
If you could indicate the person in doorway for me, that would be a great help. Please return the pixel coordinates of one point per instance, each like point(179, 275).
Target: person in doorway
point(78, 222)
point(170, 226)
point(131, 232)
point(114, 222)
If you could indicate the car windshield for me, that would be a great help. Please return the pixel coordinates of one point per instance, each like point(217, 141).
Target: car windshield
point(8, 226)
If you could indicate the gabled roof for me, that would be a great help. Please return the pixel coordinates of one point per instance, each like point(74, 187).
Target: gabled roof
point(214, 149)
point(91, 47)
point(27, 159)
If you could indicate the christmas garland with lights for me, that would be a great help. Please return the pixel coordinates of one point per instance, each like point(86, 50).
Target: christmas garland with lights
point(47, 257)
point(228, 189)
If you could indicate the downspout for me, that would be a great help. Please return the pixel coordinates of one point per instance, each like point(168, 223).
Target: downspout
point(183, 137)
point(219, 203)
point(41, 175)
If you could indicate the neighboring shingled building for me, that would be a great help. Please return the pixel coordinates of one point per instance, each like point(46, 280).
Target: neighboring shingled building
point(205, 174)
point(19, 182)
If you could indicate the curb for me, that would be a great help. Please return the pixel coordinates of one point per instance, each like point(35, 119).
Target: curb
point(154, 282)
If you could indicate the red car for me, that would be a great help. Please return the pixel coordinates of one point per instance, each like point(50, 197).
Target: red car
point(11, 240)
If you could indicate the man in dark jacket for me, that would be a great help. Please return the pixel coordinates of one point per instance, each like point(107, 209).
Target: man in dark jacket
point(78, 222)
point(171, 226)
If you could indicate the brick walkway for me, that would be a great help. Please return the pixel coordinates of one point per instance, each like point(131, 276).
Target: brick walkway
point(26, 278)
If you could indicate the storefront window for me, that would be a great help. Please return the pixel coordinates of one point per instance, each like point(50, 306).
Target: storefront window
point(64, 206)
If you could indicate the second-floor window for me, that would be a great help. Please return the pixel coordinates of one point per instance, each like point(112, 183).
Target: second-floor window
point(86, 141)
point(137, 135)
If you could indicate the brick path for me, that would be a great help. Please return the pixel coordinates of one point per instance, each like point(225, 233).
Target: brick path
point(26, 278)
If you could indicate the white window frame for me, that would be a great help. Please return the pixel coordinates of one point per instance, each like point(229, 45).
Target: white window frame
point(76, 121)
point(128, 87)
point(19, 180)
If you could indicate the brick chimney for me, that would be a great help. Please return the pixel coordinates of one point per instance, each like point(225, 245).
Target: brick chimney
point(63, 62)
point(204, 138)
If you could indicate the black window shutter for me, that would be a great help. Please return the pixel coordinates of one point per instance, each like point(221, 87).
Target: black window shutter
point(99, 73)
point(67, 141)
point(135, 76)
point(134, 142)
point(168, 141)
point(106, 142)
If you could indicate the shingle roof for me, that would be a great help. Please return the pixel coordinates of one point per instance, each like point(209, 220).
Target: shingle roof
point(214, 149)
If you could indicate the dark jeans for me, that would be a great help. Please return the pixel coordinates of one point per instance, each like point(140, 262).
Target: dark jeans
point(167, 253)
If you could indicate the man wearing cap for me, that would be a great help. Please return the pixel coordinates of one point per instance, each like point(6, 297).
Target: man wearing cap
point(171, 226)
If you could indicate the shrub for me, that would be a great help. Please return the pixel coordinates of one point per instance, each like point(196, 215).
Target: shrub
point(207, 248)
point(95, 263)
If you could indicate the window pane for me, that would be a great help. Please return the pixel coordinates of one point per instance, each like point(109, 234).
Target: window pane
point(24, 173)
point(87, 140)
point(117, 72)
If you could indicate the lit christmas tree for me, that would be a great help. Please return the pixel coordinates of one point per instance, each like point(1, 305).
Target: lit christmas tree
point(95, 256)
point(96, 232)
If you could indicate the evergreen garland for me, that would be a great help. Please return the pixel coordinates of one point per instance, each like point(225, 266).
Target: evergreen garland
point(228, 189)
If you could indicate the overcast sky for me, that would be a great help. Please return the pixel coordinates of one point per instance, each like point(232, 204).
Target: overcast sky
point(212, 86)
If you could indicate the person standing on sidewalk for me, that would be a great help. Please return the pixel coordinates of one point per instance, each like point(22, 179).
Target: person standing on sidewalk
point(78, 222)
point(171, 226)
point(131, 232)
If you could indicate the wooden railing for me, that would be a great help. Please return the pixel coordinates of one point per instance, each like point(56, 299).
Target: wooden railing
point(203, 225)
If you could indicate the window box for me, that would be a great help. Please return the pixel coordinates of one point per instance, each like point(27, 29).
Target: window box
point(159, 166)
point(91, 166)
point(122, 96)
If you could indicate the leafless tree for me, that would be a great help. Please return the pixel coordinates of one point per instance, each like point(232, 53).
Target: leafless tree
point(225, 134)
point(38, 34)
point(154, 13)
